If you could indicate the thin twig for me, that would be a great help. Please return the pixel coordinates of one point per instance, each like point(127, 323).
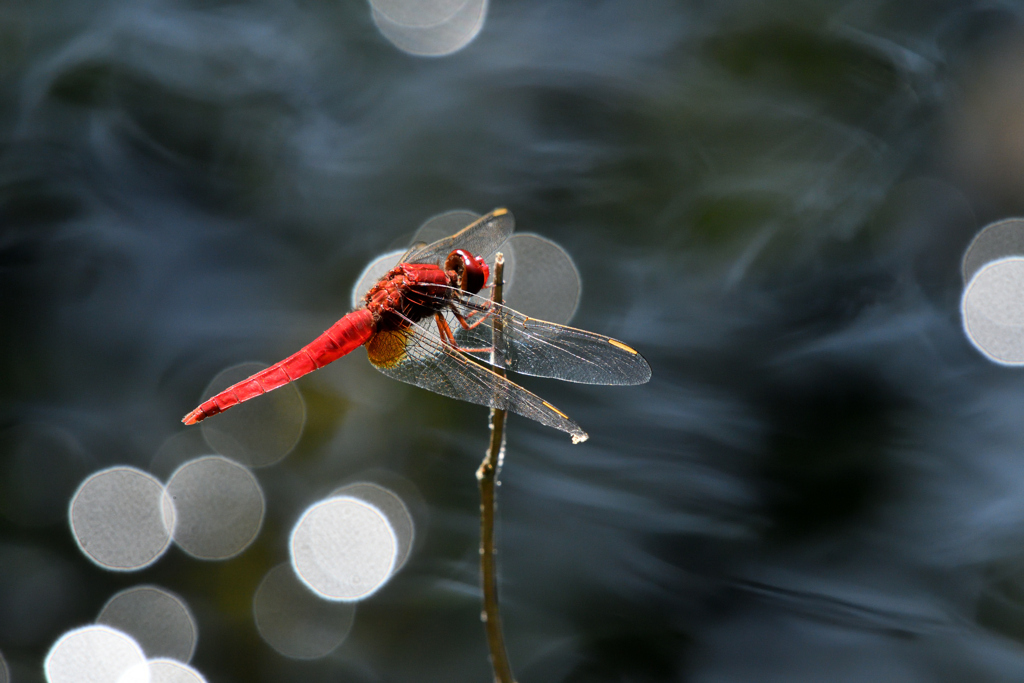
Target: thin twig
point(487, 477)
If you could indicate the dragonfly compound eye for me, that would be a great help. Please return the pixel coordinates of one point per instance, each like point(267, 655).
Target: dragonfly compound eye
point(471, 270)
point(482, 265)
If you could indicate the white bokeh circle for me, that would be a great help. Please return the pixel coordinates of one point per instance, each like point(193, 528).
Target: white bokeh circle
point(165, 670)
point(993, 311)
point(219, 505)
point(95, 654)
point(343, 548)
point(122, 518)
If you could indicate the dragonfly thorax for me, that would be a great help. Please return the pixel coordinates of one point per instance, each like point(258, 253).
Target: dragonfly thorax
point(411, 292)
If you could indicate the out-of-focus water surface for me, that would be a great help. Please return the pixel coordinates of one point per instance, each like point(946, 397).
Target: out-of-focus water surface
point(824, 479)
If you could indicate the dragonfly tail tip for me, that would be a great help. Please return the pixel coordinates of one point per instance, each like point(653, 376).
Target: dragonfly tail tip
point(580, 438)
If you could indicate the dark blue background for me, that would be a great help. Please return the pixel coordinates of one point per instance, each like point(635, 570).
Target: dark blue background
point(822, 482)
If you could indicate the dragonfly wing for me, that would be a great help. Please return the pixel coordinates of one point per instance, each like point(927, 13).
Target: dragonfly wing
point(544, 349)
point(442, 225)
point(482, 237)
point(417, 356)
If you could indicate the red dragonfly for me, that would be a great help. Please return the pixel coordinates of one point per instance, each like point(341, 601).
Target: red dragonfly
point(424, 323)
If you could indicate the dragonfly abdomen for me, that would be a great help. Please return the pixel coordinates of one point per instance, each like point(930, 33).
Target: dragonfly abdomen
point(341, 338)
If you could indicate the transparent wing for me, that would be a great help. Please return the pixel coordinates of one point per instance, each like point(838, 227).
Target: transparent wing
point(482, 237)
point(442, 225)
point(545, 349)
point(417, 356)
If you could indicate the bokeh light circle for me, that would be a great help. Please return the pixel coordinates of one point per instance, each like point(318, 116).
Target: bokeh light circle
point(294, 621)
point(438, 40)
point(95, 654)
point(219, 505)
point(993, 311)
point(392, 507)
point(996, 241)
point(122, 518)
point(543, 282)
point(139, 673)
point(418, 13)
point(159, 621)
point(261, 431)
point(172, 671)
point(343, 548)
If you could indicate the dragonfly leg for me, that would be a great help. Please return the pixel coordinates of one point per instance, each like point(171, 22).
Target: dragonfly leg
point(449, 338)
point(466, 325)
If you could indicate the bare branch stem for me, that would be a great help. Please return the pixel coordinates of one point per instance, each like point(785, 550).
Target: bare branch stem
point(487, 476)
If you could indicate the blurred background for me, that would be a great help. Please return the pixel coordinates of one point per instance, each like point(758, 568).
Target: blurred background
point(824, 480)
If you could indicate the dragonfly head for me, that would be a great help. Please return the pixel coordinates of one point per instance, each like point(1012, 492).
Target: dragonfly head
point(471, 271)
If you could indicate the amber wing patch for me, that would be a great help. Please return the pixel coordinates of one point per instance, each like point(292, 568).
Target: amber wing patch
point(387, 348)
